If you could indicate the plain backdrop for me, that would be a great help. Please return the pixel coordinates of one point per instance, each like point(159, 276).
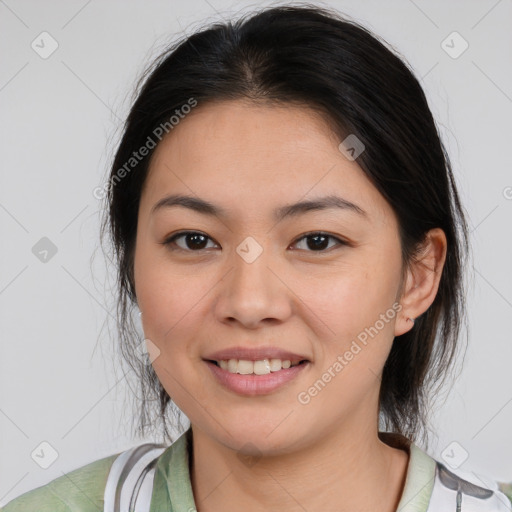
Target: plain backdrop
point(59, 119)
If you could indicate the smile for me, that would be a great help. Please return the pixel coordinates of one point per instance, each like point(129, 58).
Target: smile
point(261, 367)
point(255, 377)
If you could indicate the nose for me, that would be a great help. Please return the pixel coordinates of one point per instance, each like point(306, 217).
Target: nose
point(253, 293)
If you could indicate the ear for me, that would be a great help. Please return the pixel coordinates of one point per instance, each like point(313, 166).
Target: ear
point(422, 280)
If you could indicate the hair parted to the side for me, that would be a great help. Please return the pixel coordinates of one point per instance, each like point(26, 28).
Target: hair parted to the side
point(311, 56)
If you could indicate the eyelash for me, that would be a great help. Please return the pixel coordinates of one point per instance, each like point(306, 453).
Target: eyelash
point(171, 240)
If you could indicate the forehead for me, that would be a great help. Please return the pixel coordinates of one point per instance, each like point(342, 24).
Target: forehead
point(240, 128)
point(248, 156)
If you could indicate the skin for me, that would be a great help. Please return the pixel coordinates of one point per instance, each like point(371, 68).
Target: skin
point(250, 159)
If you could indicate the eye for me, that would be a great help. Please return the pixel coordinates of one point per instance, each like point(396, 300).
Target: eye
point(194, 241)
point(319, 241)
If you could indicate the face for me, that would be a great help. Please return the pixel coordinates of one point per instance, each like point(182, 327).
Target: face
point(319, 283)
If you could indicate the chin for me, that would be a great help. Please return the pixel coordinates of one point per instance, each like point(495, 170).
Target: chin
point(259, 437)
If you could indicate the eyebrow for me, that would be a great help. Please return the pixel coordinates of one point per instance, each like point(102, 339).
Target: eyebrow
point(291, 210)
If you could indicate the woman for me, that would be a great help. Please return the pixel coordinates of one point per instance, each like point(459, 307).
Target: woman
point(285, 218)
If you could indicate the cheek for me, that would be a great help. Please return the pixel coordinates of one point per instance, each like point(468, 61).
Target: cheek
point(172, 319)
point(163, 295)
point(354, 308)
point(349, 299)
point(168, 303)
point(360, 318)
point(174, 300)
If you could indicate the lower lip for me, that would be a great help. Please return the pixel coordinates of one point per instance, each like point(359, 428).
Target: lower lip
point(255, 384)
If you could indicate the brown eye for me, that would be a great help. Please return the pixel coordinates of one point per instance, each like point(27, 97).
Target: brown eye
point(193, 241)
point(319, 242)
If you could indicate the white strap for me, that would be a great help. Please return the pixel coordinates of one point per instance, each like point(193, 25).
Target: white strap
point(113, 478)
point(130, 481)
point(144, 493)
point(129, 486)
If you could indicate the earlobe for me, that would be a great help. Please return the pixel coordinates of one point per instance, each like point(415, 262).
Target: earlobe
point(404, 323)
point(422, 281)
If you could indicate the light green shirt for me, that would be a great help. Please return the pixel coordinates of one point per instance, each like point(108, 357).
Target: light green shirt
point(83, 489)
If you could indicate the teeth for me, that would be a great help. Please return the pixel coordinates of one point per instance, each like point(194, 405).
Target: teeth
point(245, 367)
point(275, 365)
point(261, 367)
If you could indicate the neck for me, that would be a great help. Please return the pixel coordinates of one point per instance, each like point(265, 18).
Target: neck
point(352, 469)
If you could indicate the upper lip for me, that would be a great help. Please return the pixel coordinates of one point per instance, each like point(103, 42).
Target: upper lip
point(255, 354)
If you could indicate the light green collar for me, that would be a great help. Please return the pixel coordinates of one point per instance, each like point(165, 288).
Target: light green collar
point(172, 489)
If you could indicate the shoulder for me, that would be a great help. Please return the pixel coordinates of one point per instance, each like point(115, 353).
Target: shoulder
point(467, 491)
point(80, 490)
point(431, 486)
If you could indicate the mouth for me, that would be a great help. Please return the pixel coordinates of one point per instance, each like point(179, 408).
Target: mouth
point(260, 377)
point(259, 367)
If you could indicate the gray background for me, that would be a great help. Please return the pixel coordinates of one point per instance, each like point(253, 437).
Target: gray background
point(58, 376)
